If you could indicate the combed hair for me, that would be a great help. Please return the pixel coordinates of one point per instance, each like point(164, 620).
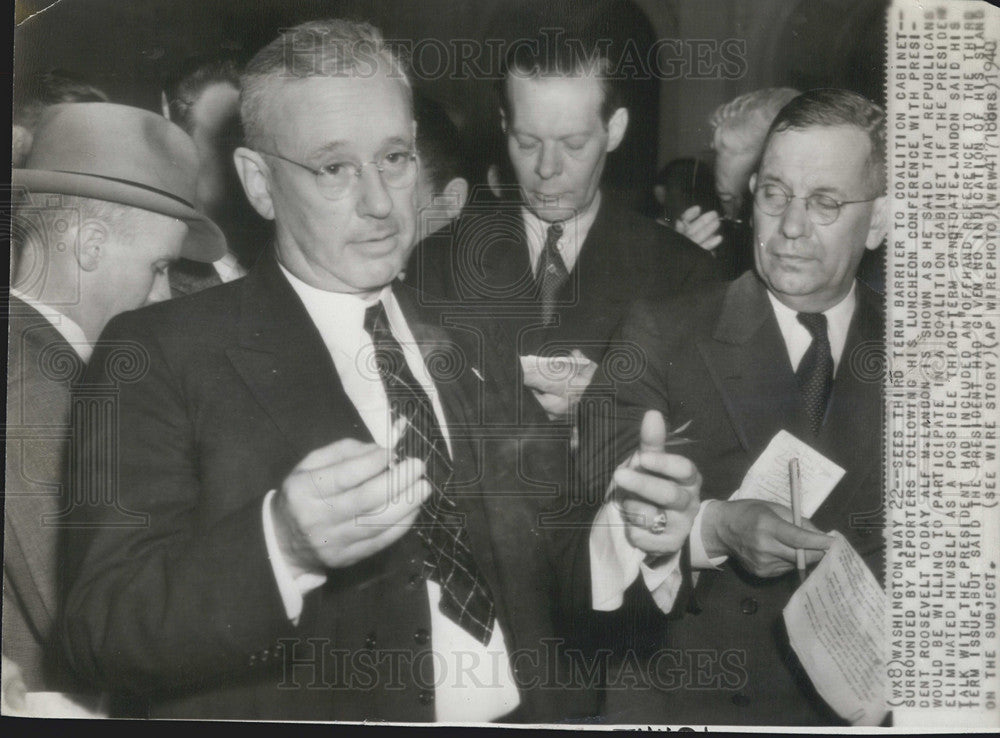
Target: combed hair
point(829, 107)
point(741, 124)
point(184, 88)
point(39, 91)
point(571, 56)
point(322, 48)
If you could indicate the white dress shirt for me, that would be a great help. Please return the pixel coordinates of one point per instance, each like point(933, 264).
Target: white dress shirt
point(66, 326)
point(570, 243)
point(622, 562)
point(228, 268)
point(462, 665)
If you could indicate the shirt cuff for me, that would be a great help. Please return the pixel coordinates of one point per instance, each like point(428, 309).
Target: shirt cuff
point(614, 562)
point(292, 589)
point(699, 557)
point(664, 581)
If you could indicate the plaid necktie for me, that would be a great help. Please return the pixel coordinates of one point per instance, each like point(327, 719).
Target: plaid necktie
point(552, 274)
point(815, 372)
point(465, 597)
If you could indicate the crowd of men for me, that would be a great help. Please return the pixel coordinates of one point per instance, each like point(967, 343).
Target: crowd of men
point(413, 452)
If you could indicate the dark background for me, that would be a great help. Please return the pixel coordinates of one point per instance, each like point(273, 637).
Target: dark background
point(126, 47)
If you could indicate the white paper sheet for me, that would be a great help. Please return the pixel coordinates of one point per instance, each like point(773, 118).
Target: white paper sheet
point(767, 479)
point(836, 625)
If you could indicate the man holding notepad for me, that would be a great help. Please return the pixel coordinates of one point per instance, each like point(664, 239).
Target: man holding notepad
point(772, 374)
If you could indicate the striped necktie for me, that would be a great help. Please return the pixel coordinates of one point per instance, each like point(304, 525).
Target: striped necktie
point(465, 596)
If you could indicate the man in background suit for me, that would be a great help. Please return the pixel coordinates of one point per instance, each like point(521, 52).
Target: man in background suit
point(304, 554)
point(101, 217)
point(782, 348)
point(562, 263)
point(202, 97)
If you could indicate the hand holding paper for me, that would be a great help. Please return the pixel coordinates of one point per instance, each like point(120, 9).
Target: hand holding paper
point(558, 382)
point(835, 623)
point(757, 525)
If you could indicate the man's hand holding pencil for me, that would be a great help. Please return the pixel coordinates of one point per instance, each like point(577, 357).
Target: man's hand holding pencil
point(763, 536)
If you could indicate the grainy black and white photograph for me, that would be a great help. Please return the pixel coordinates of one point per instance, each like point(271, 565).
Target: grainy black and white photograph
point(588, 363)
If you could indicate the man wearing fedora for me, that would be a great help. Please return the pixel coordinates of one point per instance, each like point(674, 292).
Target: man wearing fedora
point(103, 207)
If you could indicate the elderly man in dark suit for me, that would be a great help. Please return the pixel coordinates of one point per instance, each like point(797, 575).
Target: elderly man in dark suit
point(104, 208)
point(335, 535)
point(783, 347)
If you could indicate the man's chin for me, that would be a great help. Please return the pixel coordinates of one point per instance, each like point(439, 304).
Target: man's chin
point(553, 213)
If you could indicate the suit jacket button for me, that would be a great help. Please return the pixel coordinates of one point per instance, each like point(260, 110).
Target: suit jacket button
point(740, 700)
point(253, 659)
point(370, 641)
point(426, 697)
point(414, 581)
point(421, 636)
point(748, 606)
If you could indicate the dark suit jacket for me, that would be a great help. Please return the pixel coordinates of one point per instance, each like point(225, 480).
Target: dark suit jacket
point(41, 367)
point(182, 609)
point(719, 361)
point(482, 261)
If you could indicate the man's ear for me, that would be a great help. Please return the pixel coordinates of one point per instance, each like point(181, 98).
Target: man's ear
point(256, 180)
point(92, 238)
point(753, 181)
point(456, 195)
point(878, 229)
point(503, 121)
point(164, 105)
point(617, 125)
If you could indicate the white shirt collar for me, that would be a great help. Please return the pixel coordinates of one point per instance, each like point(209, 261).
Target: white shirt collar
point(228, 268)
point(575, 232)
point(797, 337)
point(340, 319)
point(66, 326)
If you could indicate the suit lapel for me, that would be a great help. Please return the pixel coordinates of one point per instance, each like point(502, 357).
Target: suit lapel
point(594, 295)
point(852, 431)
point(748, 363)
point(285, 364)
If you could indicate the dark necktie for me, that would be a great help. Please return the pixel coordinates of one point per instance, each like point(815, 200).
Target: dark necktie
point(815, 372)
point(552, 274)
point(465, 597)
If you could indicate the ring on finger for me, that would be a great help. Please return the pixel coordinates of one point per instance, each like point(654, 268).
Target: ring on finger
point(659, 523)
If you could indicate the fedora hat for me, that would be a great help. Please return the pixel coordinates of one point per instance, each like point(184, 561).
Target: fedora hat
point(125, 155)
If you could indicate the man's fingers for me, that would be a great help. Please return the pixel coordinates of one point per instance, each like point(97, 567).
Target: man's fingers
point(679, 468)
point(334, 453)
point(406, 506)
point(691, 214)
point(794, 537)
point(660, 492)
point(638, 512)
point(652, 432)
point(364, 547)
point(712, 243)
point(339, 477)
point(395, 486)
